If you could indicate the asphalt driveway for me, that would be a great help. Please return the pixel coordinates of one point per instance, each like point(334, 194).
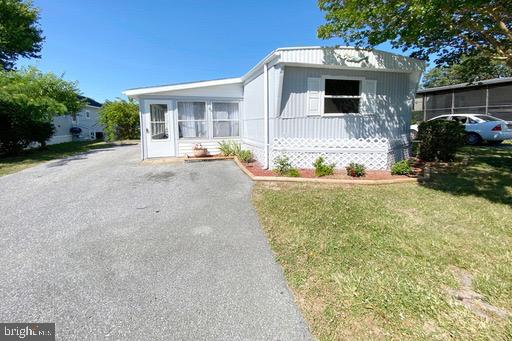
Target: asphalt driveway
point(112, 249)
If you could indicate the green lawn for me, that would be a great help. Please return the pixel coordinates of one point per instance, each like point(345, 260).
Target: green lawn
point(378, 262)
point(33, 157)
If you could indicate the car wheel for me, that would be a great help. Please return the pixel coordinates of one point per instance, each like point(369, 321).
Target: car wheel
point(414, 134)
point(473, 139)
point(494, 143)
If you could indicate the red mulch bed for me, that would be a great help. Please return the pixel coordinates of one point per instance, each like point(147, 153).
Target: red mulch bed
point(256, 169)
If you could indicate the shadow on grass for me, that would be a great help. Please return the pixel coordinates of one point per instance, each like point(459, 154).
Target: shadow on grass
point(488, 174)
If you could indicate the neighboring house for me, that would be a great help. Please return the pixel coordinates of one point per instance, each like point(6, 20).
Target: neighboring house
point(87, 120)
point(488, 97)
point(347, 104)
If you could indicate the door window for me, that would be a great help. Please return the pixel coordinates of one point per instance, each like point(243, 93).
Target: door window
point(159, 130)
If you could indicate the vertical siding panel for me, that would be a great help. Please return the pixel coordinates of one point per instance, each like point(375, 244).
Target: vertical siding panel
point(388, 120)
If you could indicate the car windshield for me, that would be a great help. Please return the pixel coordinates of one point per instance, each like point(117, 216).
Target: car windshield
point(487, 118)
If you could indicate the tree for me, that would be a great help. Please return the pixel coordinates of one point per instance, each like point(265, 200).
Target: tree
point(448, 29)
point(470, 69)
point(29, 99)
point(121, 119)
point(20, 35)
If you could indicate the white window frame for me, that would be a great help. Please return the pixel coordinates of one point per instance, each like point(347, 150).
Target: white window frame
point(206, 120)
point(92, 135)
point(87, 115)
point(323, 96)
point(225, 120)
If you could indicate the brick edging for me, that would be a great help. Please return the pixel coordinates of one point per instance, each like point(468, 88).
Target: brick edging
point(319, 180)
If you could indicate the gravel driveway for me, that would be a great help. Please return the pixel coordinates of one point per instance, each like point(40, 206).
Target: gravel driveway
point(109, 248)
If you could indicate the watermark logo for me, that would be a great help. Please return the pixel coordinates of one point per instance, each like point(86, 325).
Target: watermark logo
point(27, 331)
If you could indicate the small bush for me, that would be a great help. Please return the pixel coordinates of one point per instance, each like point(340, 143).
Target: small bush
point(401, 168)
point(322, 168)
point(282, 165)
point(245, 155)
point(356, 169)
point(229, 148)
point(440, 140)
point(293, 172)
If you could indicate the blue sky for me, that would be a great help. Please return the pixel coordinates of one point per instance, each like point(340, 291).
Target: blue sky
point(110, 46)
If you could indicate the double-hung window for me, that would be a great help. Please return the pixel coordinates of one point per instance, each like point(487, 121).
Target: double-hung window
point(192, 122)
point(226, 118)
point(342, 96)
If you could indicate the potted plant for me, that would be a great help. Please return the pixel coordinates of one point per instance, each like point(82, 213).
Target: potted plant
point(199, 150)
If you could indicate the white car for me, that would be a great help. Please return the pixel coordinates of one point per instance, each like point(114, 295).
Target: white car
point(478, 127)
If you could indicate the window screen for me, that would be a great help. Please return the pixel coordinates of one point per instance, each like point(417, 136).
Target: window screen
point(469, 98)
point(342, 96)
point(158, 122)
point(500, 95)
point(439, 101)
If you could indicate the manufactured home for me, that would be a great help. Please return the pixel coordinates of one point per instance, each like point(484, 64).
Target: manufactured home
point(80, 126)
point(346, 104)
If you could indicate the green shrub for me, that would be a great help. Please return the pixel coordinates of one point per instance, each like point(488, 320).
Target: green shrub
point(322, 168)
point(356, 169)
point(245, 155)
point(293, 172)
point(440, 140)
point(120, 119)
point(401, 168)
point(282, 165)
point(230, 148)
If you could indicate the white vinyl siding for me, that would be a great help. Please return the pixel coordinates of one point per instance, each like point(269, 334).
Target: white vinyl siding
point(368, 97)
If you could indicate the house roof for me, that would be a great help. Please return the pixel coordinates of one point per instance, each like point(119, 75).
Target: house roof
point(181, 86)
point(90, 101)
point(466, 85)
point(312, 56)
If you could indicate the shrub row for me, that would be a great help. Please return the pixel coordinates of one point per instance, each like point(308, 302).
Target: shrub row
point(232, 148)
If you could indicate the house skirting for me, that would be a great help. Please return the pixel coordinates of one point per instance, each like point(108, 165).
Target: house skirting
point(373, 153)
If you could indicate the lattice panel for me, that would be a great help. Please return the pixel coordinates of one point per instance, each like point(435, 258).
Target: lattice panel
point(372, 152)
point(373, 160)
point(371, 143)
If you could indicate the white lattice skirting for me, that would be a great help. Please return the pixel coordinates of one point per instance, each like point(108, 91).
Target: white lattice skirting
point(374, 153)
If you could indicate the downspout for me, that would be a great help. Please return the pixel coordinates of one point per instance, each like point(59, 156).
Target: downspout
point(265, 115)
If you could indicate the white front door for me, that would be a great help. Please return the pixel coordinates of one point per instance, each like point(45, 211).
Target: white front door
point(159, 128)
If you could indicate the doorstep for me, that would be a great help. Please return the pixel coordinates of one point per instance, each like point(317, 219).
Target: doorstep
point(207, 158)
